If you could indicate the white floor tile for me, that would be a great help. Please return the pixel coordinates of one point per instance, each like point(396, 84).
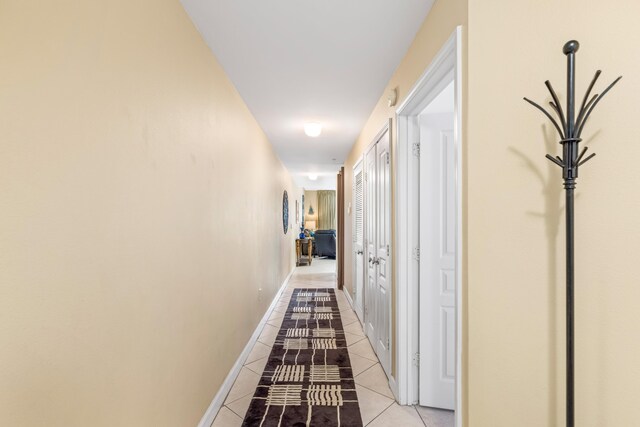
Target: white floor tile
point(375, 379)
point(268, 335)
point(245, 384)
point(363, 348)
point(258, 352)
point(226, 418)
point(277, 323)
point(352, 339)
point(280, 310)
point(258, 365)
point(348, 317)
point(396, 415)
point(371, 403)
point(354, 328)
point(360, 364)
point(433, 417)
point(275, 315)
point(240, 406)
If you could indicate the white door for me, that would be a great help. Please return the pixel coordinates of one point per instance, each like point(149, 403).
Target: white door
point(383, 247)
point(377, 190)
point(358, 239)
point(438, 249)
point(370, 242)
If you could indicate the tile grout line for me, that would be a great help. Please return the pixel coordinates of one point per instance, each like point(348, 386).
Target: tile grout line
point(419, 416)
point(356, 342)
point(377, 392)
point(259, 373)
point(235, 413)
point(370, 389)
point(365, 370)
point(230, 410)
point(383, 411)
point(241, 397)
point(368, 358)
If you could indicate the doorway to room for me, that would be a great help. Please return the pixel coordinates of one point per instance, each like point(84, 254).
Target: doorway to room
point(321, 222)
point(429, 230)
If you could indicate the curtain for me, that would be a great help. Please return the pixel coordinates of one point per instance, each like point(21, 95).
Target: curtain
point(326, 210)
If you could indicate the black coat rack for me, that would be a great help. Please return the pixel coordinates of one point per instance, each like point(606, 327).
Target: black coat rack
point(570, 128)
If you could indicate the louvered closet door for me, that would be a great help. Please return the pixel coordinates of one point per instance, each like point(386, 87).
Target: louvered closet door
point(370, 243)
point(358, 239)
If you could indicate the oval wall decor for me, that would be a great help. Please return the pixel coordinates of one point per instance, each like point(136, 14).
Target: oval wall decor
point(285, 212)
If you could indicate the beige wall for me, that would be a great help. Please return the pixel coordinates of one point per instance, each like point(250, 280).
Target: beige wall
point(141, 212)
point(516, 217)
point(440, 24)
point(514, 241)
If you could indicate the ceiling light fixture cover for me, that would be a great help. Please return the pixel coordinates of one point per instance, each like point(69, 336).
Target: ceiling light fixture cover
point(313, 177)
point(313, 129)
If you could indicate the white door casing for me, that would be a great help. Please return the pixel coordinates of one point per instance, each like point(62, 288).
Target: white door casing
point(448, 61)
point(438, 248)
point(358, 239)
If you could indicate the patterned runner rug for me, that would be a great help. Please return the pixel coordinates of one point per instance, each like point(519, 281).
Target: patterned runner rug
point(308, 380)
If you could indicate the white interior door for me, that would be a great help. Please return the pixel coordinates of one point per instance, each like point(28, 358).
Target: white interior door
point(370, 242)
point(377, 299)
point(438, 251)
point(382, 342)
point(358, 239)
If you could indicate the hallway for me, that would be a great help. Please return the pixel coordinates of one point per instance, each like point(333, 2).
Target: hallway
point(377, 405)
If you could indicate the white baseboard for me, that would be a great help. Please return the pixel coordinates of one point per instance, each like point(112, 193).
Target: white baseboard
point(218, 400)
point(346, 294)
point(393, 385)
point(353, 307)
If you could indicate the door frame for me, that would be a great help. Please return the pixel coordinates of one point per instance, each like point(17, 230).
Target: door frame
point(448, 59)
point(340, 227)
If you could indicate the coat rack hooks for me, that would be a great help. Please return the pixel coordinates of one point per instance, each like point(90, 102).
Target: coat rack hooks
point(570, 128)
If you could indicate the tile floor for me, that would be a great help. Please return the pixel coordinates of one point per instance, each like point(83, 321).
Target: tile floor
point(377, 406)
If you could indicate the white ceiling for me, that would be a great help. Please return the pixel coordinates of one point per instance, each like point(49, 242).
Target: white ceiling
point(297, 61)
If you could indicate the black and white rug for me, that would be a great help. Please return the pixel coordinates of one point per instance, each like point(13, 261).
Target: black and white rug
point(308, 380)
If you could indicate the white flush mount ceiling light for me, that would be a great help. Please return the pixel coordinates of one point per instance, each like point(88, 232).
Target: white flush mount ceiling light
point(313, 177)
point(313, 129)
